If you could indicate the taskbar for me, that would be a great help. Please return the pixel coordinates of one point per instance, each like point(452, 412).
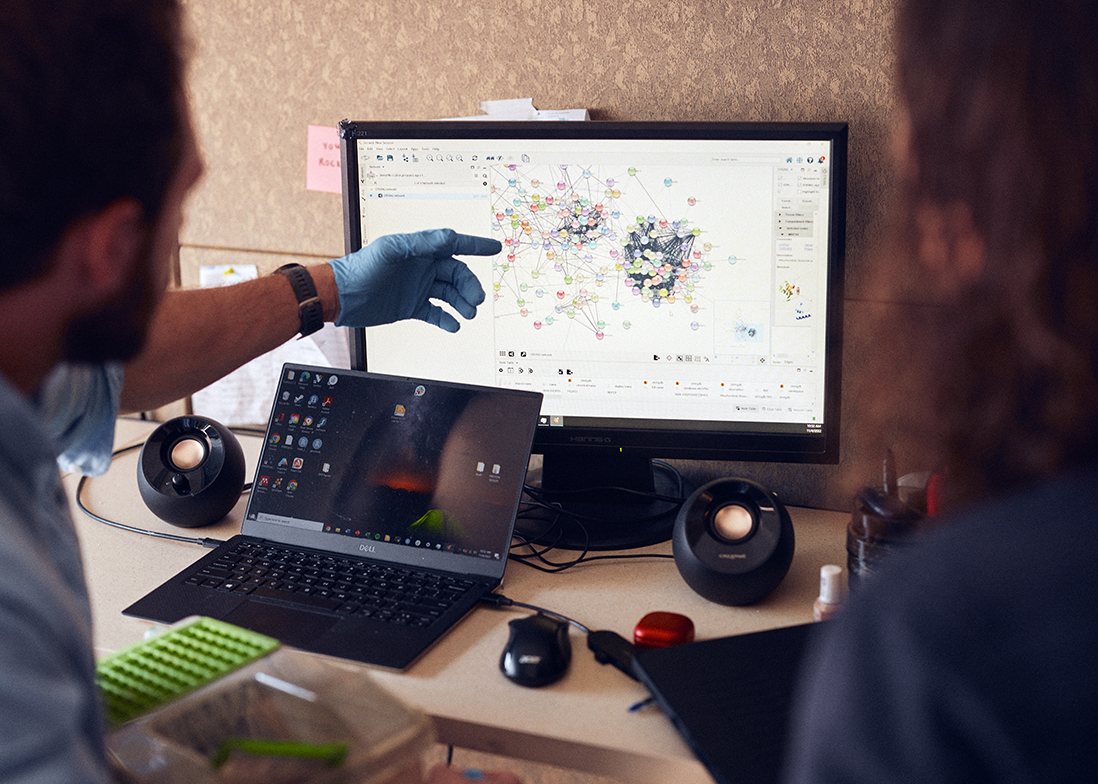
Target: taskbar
point(413, 541)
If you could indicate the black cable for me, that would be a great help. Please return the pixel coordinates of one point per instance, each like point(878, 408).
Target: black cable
point(529, 510)
point(553, 567)
point(204, 541)
point(537, 495)
point(499, 600)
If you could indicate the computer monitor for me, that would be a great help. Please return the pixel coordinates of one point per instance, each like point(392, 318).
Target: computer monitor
point(674, 289)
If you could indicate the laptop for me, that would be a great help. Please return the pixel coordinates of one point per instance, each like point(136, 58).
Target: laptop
point(730, 698)
point(381, 511)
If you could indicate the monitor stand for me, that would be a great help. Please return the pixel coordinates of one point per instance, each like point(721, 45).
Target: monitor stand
point(605, 503)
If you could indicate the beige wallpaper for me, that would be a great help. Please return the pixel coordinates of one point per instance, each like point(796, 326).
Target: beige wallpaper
point(263, 70)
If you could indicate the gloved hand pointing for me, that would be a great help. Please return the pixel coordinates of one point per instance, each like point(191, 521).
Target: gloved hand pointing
point(395, 276)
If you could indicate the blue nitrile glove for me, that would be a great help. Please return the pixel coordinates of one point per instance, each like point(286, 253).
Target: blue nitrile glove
point(395, 276)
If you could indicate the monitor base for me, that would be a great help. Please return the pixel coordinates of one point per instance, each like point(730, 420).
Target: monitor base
point(605, 519)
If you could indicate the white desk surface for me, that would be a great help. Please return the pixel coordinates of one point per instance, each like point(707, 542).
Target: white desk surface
point(580, 722)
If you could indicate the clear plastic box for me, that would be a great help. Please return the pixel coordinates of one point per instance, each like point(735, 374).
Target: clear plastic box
point(287, 716)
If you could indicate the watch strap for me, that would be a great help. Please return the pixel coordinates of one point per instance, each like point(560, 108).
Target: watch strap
point(309, 307)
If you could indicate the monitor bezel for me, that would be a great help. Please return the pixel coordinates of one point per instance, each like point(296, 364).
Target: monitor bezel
point(687, 442)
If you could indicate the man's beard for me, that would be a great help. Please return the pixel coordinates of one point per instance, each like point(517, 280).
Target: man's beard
point(117, 330)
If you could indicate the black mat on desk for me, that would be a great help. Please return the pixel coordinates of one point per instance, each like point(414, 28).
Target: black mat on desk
point(730, 698)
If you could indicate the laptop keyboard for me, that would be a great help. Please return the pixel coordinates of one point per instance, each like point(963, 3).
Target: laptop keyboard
point(329, 582)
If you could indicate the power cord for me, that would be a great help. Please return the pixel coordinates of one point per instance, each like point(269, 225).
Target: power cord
point(203, 541)
point(535, 509)
point(552, 567)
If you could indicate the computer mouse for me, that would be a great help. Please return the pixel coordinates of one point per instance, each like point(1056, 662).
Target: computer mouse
point(537, 652)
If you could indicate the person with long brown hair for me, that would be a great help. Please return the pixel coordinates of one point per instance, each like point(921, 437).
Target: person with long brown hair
point(974, 655)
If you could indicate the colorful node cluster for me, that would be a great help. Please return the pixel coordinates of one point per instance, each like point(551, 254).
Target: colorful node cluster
point(576, 239)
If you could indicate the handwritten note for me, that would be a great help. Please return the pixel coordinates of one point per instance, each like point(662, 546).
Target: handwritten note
point(322, 172)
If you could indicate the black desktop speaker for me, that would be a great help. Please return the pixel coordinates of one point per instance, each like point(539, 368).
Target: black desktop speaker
point(733, 541)
point(191, 471)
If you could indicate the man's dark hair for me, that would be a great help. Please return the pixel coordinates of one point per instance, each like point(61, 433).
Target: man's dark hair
point(1002, 97)
point(90, 112)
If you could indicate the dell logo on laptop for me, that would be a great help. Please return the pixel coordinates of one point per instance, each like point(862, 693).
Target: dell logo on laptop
point(367, 548)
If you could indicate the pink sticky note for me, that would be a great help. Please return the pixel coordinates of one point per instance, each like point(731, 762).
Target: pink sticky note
point(322, 171)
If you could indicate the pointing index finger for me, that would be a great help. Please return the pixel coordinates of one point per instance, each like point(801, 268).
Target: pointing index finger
point(469, 245)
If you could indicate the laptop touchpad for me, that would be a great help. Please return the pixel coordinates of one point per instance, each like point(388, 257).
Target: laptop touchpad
point(285, 624)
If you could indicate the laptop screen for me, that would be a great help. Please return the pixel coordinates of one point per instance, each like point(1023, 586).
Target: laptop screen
point(407, 470)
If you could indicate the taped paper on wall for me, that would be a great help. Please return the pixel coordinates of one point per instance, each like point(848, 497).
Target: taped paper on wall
point(322, 156)
point(523, 109)
point(244, 396)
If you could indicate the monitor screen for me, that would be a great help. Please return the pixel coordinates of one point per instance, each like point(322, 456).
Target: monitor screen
point(673, 289)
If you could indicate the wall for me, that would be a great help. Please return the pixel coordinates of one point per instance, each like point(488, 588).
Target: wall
point(263, 70)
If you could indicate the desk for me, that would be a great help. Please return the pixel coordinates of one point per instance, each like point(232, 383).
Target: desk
point(580, 722)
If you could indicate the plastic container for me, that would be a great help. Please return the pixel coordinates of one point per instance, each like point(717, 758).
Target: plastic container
point(286, 716)
point(879, 526)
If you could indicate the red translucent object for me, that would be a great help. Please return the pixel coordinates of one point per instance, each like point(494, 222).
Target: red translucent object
point(662, 630)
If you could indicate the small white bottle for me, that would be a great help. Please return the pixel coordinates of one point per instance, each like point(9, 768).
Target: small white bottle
point(832, 593)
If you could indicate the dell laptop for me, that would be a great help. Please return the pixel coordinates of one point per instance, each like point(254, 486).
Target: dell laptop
point(381, 511)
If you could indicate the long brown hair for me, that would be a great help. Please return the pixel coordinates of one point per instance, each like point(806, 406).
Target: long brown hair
point(1002, 100)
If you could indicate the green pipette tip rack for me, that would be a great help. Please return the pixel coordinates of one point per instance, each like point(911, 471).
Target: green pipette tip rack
point(147, 674)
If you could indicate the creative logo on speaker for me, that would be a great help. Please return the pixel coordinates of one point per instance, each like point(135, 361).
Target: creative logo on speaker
point(733, 541)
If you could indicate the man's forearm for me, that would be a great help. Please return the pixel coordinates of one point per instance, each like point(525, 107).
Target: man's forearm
point(199, 335)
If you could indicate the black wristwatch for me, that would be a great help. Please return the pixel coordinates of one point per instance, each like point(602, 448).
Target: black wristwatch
point(309, 307)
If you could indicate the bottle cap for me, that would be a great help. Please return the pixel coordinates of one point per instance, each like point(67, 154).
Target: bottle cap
point(831, 584)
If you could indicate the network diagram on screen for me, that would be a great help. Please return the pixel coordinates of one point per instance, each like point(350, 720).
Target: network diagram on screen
point(663, 280)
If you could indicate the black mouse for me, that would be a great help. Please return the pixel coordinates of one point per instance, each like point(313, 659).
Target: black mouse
point(538, 651)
